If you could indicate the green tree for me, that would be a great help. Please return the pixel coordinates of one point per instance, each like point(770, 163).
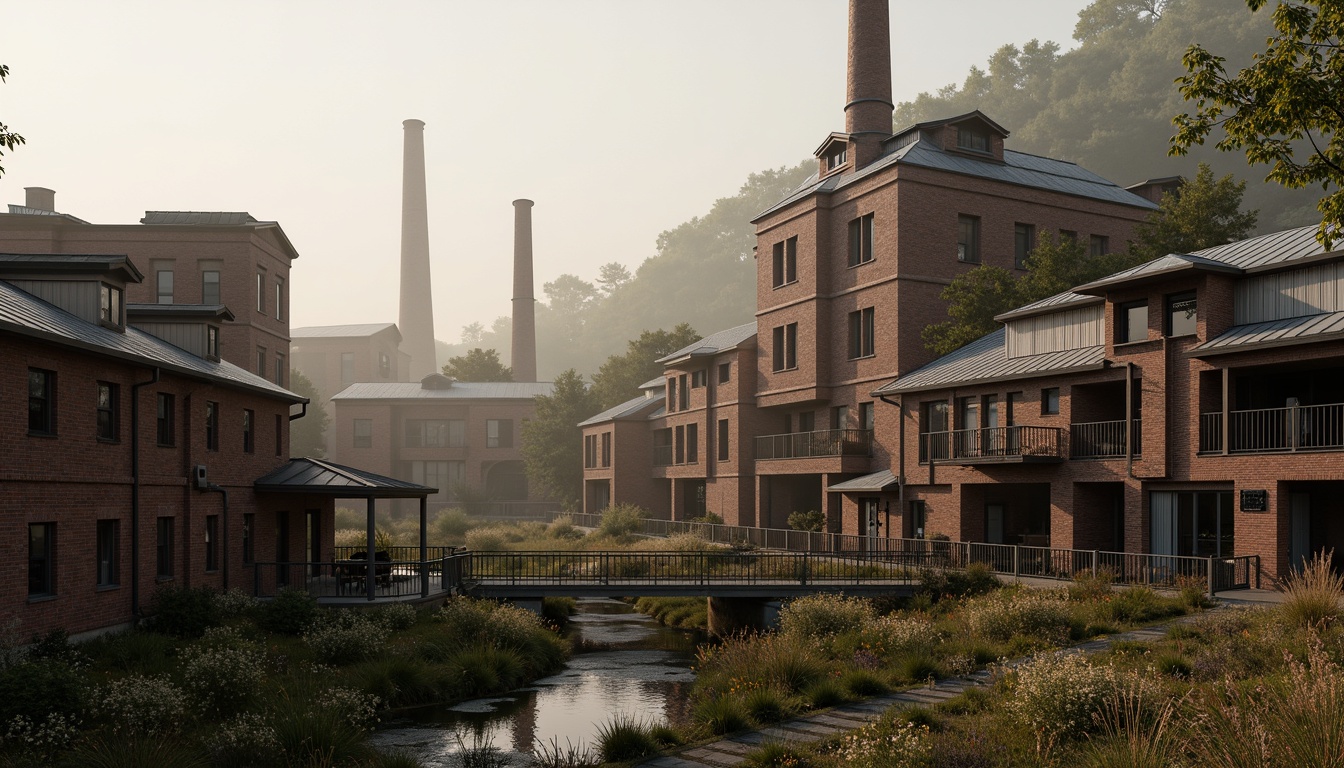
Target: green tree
point(8, 140)
point(552, 441)
point(478, 365)
point(1284, 110)
point(619, 377)
point(611, 276)
point(1204, 213)
point(973, 299)
point(307, 436)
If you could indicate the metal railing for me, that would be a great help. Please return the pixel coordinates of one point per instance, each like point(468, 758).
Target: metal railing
point(818, 444)
point(1103, 439)
point(1217, 573)
point(350, 578)
point(991, 444)
point(1275, 430)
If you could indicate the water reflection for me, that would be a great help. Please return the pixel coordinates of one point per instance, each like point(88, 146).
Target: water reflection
point(627, 664)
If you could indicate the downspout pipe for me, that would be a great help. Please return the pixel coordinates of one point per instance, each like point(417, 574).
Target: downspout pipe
point(224, 537)
point(1129, 418)
point(135, 491)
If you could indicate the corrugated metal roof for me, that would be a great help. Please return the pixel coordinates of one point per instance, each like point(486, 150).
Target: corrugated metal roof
point(714, 343)
point(25, 314)
point(1293, 330)
point(876, 482)
point(353, 330)
point(199, 218)
point(460, 390)
point(986, 359)
point(315, 476)
point(633, 407)
point(1049, 304)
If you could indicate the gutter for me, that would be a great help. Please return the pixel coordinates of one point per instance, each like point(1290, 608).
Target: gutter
point(135, 491)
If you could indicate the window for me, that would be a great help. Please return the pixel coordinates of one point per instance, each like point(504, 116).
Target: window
point(210, 287)
point(786, 347)
point(866, 416)
point(363, 433)
point(1181, 319)
point(699, 378)
point(861, 240)
point(606, 449)
point(249, 419)
point(1192, 523)
point(1099, 245)
point(1067, 237)
point(692, 443)
point(384, 365)
point(1024, 242)
point(212, 542)
point(671, 393)
point(279, 369)
point(446, 476)
point(108, 424)
point(347, 367)
point(261, 291)
point(212, 342)
point(807, 421)
point(436, 433)
point(110, 307)
point(1131, 322)
point(721, 441)
point(261, 362)
point(41, 559)
point(163, 547)
point(679, 445)
point(279, 435)
point(918, 515)
point(836, 157)
point(840, 417)
point(968, 239)
point(249, 540)
point(933, 431)
point(164, 282)
point(684, 400)
point(725, 371)
point(590, 451)
point(279, 297)
point(1049, 401)
point(108, 548)
point(499, 433)
point(41, 401)
point(972, 139)
point(164, 432)
point(861, 332)
point(211, 426)
point(785, 266)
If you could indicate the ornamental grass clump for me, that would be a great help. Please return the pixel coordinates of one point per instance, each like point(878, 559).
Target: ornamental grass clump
point(621, 520)
point(246, 740)
point(785, 663)
point(1312, 595)
point(821, 617)
point(468, 622)
point(896, 635)
point(141, 705)
point(624, 738)
point(346, 637)
point(1058, 696)
point(1001, 615)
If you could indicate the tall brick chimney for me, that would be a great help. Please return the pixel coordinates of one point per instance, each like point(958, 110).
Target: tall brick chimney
point(868, 83)
point(524, 360)
point(416, 320)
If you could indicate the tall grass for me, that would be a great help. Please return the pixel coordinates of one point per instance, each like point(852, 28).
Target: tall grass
point(1312, 595)
point(624, 738)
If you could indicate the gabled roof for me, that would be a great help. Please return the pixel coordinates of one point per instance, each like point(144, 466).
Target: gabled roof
point(26, 315)
point(180, 311)
point(1049, 304)
point(974, 114)
point(460, 390)
point(656, 383)
point(986, 360)
point(16, 264)
point(315, 476)
point(635, 407)
point(1155, 271)
point(713, 344)
point(353, 330)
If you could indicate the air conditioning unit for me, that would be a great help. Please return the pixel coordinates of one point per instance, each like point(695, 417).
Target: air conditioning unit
point(202, 480)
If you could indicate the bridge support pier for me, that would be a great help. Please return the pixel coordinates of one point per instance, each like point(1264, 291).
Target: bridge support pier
point(732, 615)
point(532, 604)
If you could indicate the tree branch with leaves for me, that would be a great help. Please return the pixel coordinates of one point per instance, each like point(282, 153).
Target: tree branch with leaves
point(8, 139)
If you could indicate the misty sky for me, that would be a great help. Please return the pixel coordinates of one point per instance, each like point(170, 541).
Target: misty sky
point(620, 118)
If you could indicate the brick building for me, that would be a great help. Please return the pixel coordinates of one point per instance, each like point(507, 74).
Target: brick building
point(850, 268)
point(1226, 367)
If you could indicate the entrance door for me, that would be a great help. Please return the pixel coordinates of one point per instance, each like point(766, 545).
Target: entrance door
point(994, 523)
point(1299, 529)
point(870, 521)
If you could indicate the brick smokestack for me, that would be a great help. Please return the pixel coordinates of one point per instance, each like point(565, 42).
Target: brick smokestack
point(868, 83)
point(524, 304)
point(416, 320)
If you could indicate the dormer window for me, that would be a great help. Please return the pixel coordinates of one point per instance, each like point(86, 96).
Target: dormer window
point(974, 139)
point(111, 311)
point(837, 157)
point(212, 342)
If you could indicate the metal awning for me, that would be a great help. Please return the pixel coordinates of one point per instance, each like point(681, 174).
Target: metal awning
point(878, 482)
point(314, 476)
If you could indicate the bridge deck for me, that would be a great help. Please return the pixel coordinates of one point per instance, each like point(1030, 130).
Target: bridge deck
point(689, 587)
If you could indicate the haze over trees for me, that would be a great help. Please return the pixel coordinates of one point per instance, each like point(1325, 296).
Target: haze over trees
point(552, 441)
point(478, 365)
point(619, 377)
point(305, 434)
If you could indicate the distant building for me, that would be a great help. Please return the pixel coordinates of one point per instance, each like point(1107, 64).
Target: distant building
point(335, 356)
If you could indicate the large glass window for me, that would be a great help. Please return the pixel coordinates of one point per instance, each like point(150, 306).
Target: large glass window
point(41, 559)
point(1192, 523)
point(41, 401)
point(968, 239)
point(692, 443)
point(933, 430)
point(1181, 317)
point(446, 476)
point(435, 433)
point(972, 138)
point(784, 266)
point(210, 287)
point(108, 551)
point(1131, 322)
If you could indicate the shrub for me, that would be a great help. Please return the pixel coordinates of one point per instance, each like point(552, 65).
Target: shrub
point(246, 740)
point(232, 603)
point(39, 690)
point(1140, 605)
point(465, 621)
point(397, 617)
point(141, 705)
point(1058, 695)
point(452, 525)
point(345, 638)
point(823, 616)
point(489, 539)
point(974, 579)
point(136, 752)
point(1034, 613)
point(135, 651)
point(481, 669)
point(624, 738)
point(557, 610)
point(721, 714)
point(290, 612)
point(785, 663)
point(1312, 595)
point(184, 611)
point(309, 734)
point(56, 646)
point(563, 528)
point(811, 520)
point(621, 520)
point(401, 681)
point(709, 518)
point(1091, 588)
point(893, 634)
point(222, 678)
point(884, 744)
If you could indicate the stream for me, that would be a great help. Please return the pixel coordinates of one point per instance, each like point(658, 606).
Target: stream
point(626, 664)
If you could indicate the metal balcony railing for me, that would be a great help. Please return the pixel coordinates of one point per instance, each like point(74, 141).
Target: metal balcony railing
point(1275, 430)
point(991, 444)
point(821, 443)
point(1103, 439)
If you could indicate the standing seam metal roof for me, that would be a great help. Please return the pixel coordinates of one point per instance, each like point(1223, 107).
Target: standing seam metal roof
point(305, 475)
point(987, 358)
point(460, 390)
point(631, 407)
point(1291, 330)
point(715, 342)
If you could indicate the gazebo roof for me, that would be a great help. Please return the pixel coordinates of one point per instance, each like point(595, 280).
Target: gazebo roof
point(315, 476)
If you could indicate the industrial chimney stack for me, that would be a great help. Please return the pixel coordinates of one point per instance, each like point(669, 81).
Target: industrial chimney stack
point(868, 83)
point(416, 320)
point(524, 304)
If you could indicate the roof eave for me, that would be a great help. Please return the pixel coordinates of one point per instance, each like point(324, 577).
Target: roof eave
point(1021, 312)
point(879, 392)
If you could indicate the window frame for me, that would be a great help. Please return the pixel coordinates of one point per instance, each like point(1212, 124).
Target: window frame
point(211, 543)
point(722, 440)
point(361, 440)
point(1124, 323)
point(279, 298)
point(206, 292)
point(1024, 242)
point(211, 425)
point(502, 436)
point(42, 419)
point(42, 565)
point(107, 423)
point(111, 307)
point(107, 553)
point(1098, 245)
point(1170, 308)
point(862, 234)
point(159, 283)
point(862, 333)
point(249, 544)
point(212, 342)
point(968, 138)
point(784, 263)
point(1050, 401)
point(249, 430)
point(165, 422)
point(163, 548)
point(968, 238)
point(725, 372)
point(693, 443)
point(606, 449)
point(347, 367)
point(261, 292)
point(785, 348)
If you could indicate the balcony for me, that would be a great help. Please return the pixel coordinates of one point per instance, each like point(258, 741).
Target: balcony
point(993, 445)
point(1275, 430)
point(820, 444)
point(1103, 439)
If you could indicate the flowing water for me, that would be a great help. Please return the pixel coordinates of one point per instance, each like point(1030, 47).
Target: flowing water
point(640, 670)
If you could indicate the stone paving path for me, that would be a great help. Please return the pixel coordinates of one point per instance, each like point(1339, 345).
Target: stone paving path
point(850, 717)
